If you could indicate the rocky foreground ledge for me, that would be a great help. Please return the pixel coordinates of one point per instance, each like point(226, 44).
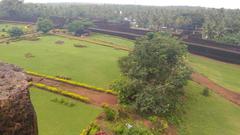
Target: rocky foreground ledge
point(17, 115)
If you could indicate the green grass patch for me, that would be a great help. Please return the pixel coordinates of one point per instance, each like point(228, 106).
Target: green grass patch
point(224, 74)
point(211, 115)
point(118, 41)
point(56, 118)
point(95, 65)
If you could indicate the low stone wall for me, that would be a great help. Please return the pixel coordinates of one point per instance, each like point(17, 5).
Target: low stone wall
point(116, 33)
point(17, 115)
point(215, 53)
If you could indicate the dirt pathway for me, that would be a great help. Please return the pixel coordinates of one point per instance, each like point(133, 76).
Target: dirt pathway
point(95, 97)
point(226, 93)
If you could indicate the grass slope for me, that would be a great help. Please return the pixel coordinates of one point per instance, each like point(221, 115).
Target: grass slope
point(209, 115)
point(224, 74)
point(58, 119)
point(95, 65)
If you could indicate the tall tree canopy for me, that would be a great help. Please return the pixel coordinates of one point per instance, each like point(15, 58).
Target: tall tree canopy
point(154, 75)
point(12, 8)
point(218, 24)
point(44, 25)
point(79, 26)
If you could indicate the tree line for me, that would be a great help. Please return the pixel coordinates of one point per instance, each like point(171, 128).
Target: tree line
point(217, 24)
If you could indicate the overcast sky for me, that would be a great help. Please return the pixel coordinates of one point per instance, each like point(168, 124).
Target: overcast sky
point(204, 3)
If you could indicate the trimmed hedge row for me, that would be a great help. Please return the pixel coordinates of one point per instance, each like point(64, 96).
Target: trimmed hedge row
point(62, 92)
point(92, 129)
point(73, 83)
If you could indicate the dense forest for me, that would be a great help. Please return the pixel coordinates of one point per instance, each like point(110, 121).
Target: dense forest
point(216, 24)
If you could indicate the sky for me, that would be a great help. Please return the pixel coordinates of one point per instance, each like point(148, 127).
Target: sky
point(232, 4)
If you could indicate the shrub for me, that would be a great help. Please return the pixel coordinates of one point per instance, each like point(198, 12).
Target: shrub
point(64, 102)
point(15, 32)
point(79, 46)
point(44, 25)
point(111, 114)
point(32, 38)
point(90, 130)
point(158, 124)
point(206, 92)
point(128, 129)
point(59, 42)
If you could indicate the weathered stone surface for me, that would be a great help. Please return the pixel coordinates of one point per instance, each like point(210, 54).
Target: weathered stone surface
point(17, 115)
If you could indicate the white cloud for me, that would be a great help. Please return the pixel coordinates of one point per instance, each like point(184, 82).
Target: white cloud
point(204, 3)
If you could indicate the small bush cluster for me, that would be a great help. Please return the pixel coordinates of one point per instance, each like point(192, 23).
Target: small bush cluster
point(29, 55)
point(206, 92)
point(159, 125)
point(62, 92)
point(73, 83)
point(32, 38)
point(131, 129)
point(59, 42)
point(79, 46)
point(111, 114)
point(64, 102)
point(90, 130)
point(63, 77)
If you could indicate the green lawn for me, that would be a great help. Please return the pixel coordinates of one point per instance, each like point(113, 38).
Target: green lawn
point(94, 64)
point(209, 115)
point(113, 39)
point(226, 75)
point(57, 119)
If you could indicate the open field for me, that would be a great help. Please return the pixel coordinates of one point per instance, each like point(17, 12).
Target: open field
point(224, 74)
point(55, 118)
point(209, 115)
point(93, 64)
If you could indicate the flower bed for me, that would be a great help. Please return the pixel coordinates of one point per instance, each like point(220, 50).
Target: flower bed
point(73, 83)
point(62, 92)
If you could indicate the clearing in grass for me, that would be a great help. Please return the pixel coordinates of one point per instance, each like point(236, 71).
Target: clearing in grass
point(58, 115)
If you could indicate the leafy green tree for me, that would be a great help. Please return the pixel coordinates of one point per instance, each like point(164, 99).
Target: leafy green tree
point(154, 74)
point(79, 26)
point(15, 32)
point(44, 25)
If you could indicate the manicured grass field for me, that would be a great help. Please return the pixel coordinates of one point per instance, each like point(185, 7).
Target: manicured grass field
point(226, 75)
point(209, 115)
point(94, 64)
point(113, 39)
point(55, 118)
